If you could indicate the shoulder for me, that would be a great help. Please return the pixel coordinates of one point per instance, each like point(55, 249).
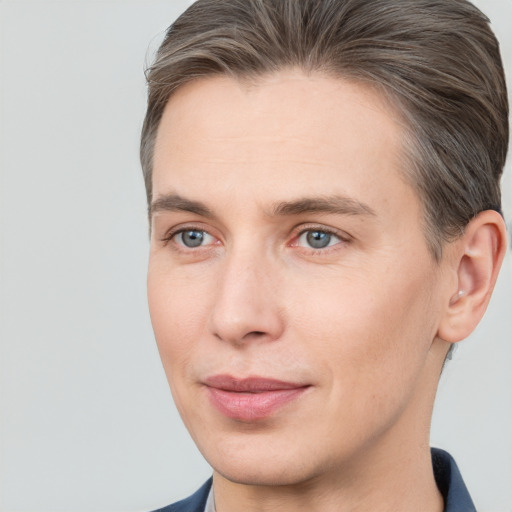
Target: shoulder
point(194, 503)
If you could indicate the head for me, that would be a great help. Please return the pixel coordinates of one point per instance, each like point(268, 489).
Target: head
point(323, 180)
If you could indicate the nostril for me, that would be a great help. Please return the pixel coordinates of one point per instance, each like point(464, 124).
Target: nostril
point(255, 334)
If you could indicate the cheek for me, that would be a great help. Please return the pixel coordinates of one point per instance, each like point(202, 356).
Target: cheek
point(178, 315)
point(371, 331)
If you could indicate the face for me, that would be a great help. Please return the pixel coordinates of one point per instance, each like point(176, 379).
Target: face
point(291, 290)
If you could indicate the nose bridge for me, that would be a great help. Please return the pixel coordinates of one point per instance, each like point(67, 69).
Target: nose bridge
point(245, 305)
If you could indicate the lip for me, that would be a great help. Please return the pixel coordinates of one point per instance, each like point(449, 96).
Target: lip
point(252, 398)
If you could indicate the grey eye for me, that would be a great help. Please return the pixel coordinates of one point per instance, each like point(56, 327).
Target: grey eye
point(318, 239)
point(192, 238)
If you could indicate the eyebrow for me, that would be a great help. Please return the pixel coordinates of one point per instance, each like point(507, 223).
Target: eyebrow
point(333, 204)
point(339, 205)
point(177, 203)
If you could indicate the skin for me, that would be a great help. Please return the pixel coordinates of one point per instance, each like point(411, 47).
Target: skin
point(360, 321)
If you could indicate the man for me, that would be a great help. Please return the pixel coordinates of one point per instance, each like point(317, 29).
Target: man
point(323, 189)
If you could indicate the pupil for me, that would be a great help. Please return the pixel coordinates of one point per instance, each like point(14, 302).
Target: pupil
point(318, 239)
point(192, 238)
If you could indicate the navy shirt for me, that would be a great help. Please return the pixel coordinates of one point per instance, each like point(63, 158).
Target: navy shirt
point(447, 475)
point(450, 484)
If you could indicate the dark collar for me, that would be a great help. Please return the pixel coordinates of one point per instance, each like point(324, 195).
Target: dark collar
point(450, 484)
point(194, 503)
point(447, 475)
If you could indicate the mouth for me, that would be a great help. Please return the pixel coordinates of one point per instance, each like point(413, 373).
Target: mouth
point(253, 398)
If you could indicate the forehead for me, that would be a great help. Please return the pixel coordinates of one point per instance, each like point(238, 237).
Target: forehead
point(315, 110)
point(286, 133)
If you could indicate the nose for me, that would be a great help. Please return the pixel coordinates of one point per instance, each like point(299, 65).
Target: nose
point(246, 306)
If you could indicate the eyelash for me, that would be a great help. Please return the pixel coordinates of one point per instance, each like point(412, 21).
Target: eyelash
point(343, 237)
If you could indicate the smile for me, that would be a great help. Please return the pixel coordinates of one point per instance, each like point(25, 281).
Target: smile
point(250, 399)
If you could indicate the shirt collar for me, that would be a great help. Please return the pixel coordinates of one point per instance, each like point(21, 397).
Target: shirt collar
point(210, 503)
point(450, 483)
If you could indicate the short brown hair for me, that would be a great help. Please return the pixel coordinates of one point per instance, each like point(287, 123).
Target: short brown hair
point(437, 60)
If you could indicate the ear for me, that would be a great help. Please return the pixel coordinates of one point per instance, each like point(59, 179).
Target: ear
point(477, 261)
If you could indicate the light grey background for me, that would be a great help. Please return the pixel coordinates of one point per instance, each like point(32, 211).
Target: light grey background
point(86, 419)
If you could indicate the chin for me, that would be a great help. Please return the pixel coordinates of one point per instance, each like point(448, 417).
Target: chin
point(261, 462)
point(259, 473)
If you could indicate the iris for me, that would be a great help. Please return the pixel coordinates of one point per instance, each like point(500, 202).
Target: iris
point(192, 238)
point(318, 239)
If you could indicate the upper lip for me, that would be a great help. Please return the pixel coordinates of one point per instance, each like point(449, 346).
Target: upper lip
point(249, 384)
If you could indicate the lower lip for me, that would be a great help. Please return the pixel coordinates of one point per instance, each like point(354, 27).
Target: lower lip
point(252, 406)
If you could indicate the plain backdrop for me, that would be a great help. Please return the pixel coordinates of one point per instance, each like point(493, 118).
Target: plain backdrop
point(86, 420)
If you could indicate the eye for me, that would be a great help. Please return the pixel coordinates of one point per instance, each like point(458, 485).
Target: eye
point(192, 238)
point(317, 239)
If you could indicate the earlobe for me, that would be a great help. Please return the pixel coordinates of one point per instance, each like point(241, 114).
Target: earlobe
point(479, 254)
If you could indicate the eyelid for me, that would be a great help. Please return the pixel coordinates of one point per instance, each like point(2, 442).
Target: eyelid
point(304, 228)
